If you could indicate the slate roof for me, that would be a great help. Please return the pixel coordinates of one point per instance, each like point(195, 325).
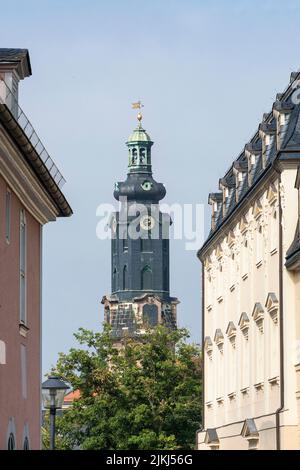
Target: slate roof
point(284, 140)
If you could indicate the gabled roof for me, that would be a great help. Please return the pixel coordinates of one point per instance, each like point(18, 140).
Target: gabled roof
point(249, 428)
point(211, 436)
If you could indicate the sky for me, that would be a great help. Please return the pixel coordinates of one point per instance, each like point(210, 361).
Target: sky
point(206, 72)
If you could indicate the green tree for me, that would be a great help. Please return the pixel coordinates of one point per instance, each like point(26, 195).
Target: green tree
point(144, 395)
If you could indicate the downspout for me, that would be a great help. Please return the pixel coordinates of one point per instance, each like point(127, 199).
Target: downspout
point(202, 358)
point(281, 339)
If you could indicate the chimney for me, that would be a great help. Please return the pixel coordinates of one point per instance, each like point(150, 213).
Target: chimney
point(14, 66)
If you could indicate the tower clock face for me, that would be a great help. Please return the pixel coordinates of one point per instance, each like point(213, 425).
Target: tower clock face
point(146, 185)
point(147, 222)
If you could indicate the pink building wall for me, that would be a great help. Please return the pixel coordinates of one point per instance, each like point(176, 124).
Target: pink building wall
point(17, 412)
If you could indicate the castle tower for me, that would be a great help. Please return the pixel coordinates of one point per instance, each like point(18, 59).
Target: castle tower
point(140, 247)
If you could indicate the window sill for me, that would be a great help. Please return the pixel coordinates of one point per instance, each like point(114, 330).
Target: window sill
point(258, 264)
point(231, 396)
point(232, 288)
point(220, 299)
point(245, 276)
point(23, 329)
point(273, 252)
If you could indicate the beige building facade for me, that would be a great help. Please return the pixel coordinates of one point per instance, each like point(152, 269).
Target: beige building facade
point(251, 292)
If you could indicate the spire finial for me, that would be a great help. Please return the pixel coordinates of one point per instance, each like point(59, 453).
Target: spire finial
point(138, 105)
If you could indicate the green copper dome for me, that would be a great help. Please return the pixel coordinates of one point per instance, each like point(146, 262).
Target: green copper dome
point(139, 135)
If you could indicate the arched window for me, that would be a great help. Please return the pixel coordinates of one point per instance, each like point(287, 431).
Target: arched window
point(125, 277)
point(26, 444)
point(147, 278)
point(134, 157)
point(114, 279)
point(11, 443)
point(142, 156)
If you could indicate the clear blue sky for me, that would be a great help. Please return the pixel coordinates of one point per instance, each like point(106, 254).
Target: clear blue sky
point(206, 71)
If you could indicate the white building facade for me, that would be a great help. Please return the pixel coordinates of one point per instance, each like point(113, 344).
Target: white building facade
point(251, 292)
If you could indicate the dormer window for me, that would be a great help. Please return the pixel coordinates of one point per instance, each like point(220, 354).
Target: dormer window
point(252, 159)
point(282, 119)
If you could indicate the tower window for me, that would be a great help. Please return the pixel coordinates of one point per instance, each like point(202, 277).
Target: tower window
point(134, 157)
point(125, 277)
point(114, 279)
point(142, 156)
point(166, 279)
point(147, 278)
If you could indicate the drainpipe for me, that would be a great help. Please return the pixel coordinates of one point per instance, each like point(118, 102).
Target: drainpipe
point(281, 339)
point(202, 358)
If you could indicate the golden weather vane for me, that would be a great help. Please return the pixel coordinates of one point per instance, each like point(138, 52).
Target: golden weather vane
point(138, 105)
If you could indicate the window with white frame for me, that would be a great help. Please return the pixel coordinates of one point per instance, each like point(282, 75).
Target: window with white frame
point(7, 215)
point(23, 243)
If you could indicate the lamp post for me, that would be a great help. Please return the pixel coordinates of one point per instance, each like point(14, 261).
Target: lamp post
point(53, 392)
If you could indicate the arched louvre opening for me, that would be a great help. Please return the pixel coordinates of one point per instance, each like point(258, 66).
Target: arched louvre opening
point(166, 279)
point(147, 278)
point(114, 279)
point(125, 277)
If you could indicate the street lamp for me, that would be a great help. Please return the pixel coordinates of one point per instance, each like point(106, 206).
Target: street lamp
point(53, 392)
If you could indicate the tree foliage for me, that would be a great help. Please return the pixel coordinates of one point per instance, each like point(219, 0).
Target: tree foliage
point(144, 395)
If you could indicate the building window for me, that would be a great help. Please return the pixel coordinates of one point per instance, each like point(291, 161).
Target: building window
point(7, 215)
point(23, 267)
point(125, 278)
point(146, 278)
point(26, 444)
point(11, 443)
